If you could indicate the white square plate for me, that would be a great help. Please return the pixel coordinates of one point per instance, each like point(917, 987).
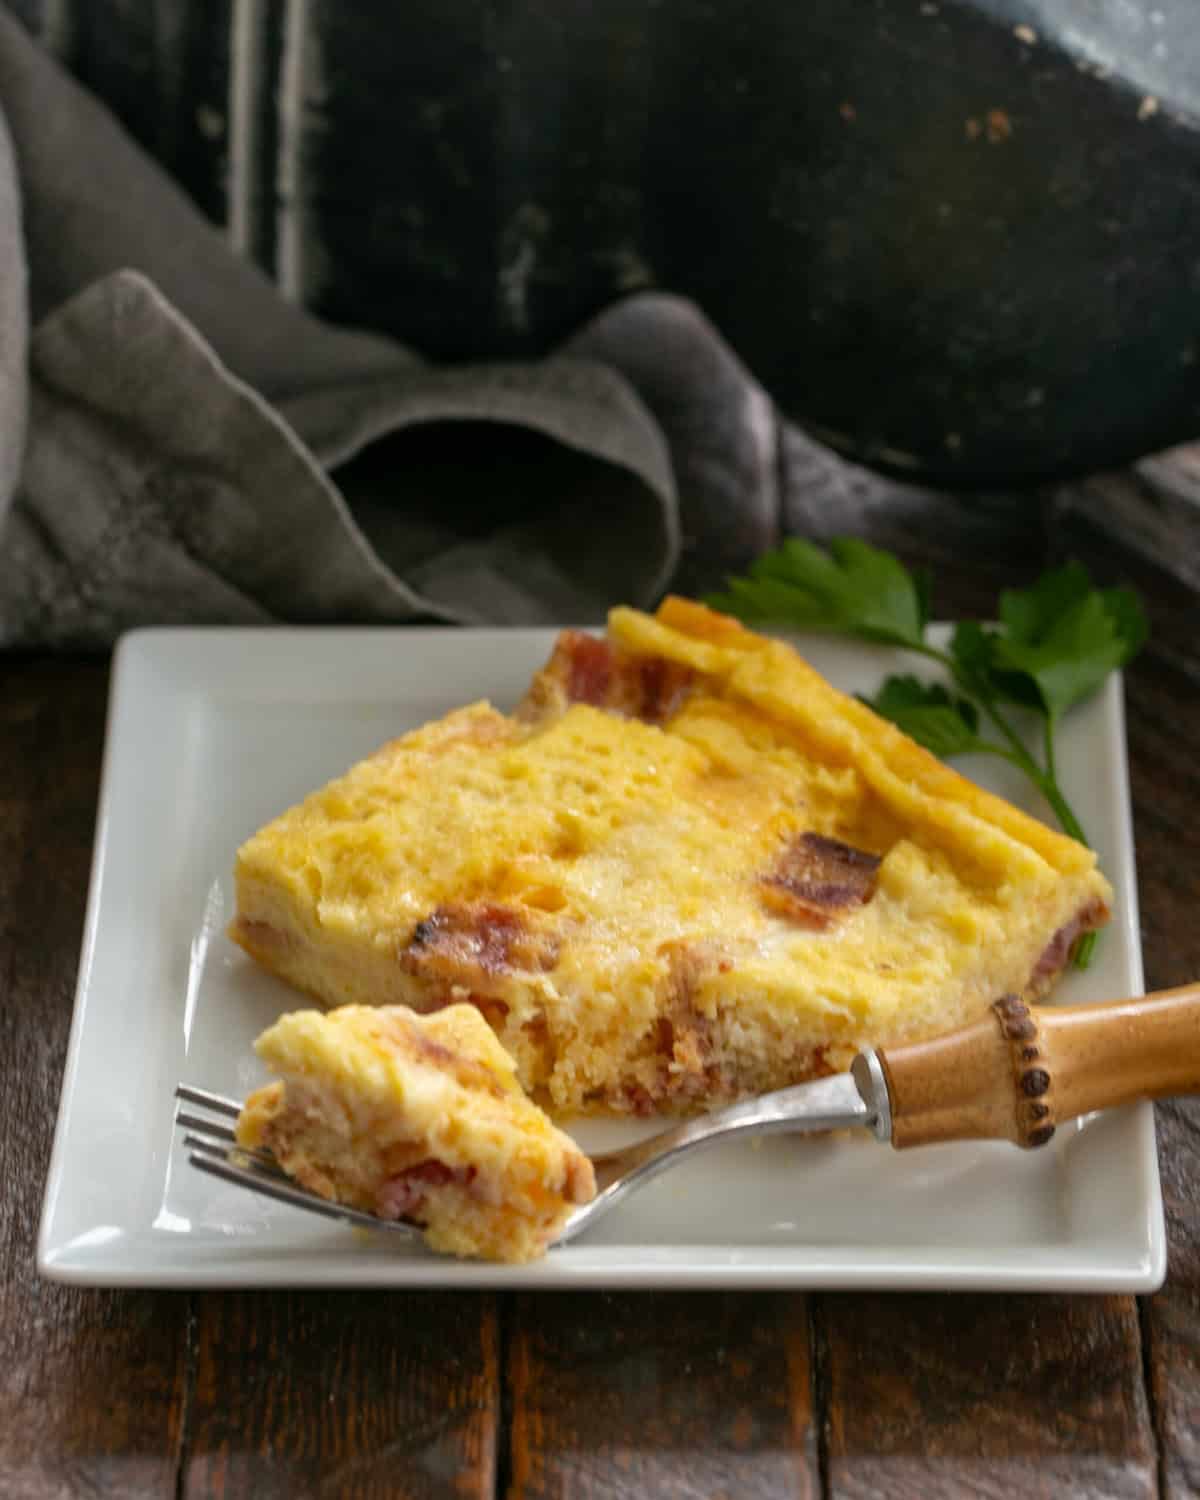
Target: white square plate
point(212, 732)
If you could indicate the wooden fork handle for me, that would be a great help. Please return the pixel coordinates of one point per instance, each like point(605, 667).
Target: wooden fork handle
point(1022, 1070)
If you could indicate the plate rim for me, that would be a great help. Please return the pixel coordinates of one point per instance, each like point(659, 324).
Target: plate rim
point(1139, 1269)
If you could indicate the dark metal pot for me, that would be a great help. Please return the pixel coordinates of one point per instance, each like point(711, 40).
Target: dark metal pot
point(958, 238)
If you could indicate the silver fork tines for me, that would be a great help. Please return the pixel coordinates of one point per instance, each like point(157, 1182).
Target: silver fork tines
point(212, 1148)
point(832, 1103)
point(218, 1103)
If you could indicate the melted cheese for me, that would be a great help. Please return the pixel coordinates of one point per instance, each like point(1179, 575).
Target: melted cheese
point(621, 844)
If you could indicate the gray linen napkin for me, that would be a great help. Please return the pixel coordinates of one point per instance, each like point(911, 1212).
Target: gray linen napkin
point(179, 444)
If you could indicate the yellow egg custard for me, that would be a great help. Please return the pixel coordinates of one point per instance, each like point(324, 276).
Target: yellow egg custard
point(419, 1118)
point(686, 869)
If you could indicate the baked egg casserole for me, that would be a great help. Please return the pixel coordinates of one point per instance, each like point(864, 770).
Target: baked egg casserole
point(684, 870)
point(419, 1118)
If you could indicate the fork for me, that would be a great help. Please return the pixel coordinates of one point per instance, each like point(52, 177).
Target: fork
point(825, 1104)
point(1014, 1075)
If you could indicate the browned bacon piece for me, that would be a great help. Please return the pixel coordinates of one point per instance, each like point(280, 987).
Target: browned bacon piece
point(588, 666)
point(585, 669)
point(472, 941)
point(683, 1035)
point(818, 879)
point(1058, 950)
point(402, 1196)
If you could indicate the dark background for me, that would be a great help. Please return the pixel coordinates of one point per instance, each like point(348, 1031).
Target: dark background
point(956, 239)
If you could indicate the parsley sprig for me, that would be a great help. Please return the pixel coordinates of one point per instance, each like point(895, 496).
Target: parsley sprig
point(1053, 645)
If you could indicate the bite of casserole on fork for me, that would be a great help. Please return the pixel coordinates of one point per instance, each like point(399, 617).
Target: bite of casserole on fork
point(418, 1118)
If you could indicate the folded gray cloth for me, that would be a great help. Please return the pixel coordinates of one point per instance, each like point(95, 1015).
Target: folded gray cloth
point(179, 444)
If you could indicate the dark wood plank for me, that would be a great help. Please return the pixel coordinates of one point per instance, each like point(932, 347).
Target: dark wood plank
point(610, 1396)
point(1172, 1316)
point(294, 1394)
point(688, 1395)
point(91, 1383)
point(353, 1395)
point(1163, 701)
point(930, 1396)
point(933, 1397)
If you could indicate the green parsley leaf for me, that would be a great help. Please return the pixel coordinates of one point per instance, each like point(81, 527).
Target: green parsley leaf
point(929, 714)
point(1070, 661)
point(1058, 641)
point(1029, 614)
point(853, 588)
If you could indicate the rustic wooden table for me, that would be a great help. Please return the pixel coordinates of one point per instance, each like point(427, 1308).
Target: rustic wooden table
point(302, 1394)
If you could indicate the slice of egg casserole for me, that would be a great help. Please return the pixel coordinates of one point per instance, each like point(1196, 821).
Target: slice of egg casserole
point(419, 1118)
point(686, 869)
